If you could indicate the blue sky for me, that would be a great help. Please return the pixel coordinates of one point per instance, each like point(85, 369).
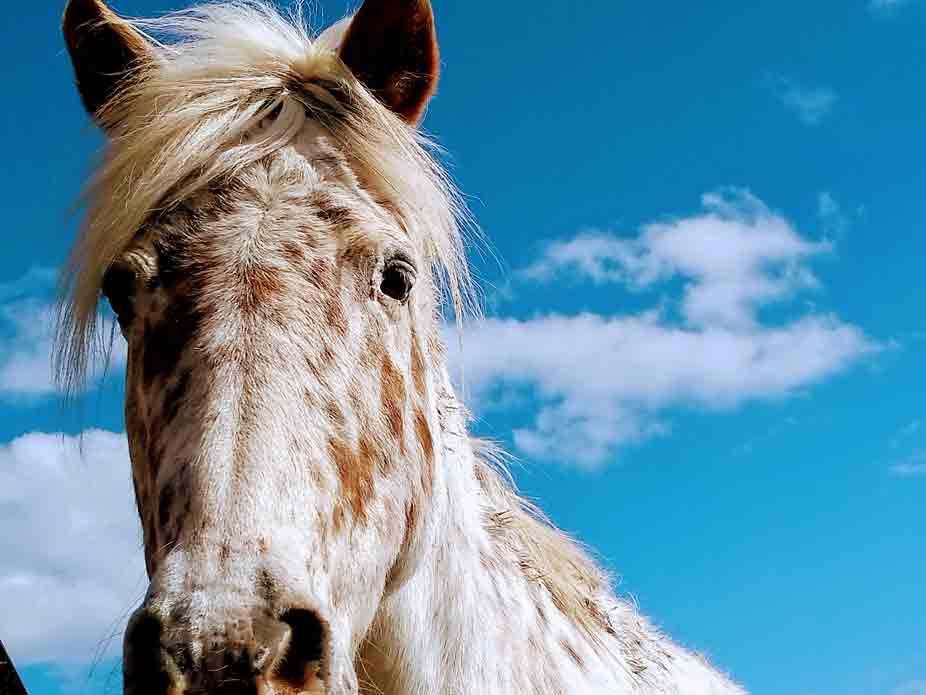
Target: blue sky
point(704, 341)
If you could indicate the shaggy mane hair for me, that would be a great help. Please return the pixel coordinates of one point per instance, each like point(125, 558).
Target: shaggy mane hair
point(181, 121)
point(577, 586)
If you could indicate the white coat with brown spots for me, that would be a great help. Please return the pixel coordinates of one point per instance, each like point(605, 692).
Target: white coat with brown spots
point(277, 243)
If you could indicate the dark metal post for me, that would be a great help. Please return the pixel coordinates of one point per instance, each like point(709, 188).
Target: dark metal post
point(10, 684)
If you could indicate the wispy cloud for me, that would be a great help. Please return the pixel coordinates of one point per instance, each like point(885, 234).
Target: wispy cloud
point(607, 380)
point(72, 566)
point(913, 467)
point(834, 218)
point(810, 104)
point(38, 279)
point(887, 7)
point(911, 688)
point(907, 432)
point(27, 326)
point(909, 470)
point(908, 448)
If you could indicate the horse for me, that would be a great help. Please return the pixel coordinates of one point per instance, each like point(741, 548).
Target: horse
point(280, 244)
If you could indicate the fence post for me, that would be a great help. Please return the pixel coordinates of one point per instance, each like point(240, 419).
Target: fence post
point(10, 684)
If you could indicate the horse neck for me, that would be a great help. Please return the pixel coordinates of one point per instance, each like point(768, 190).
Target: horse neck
point(470, 619)
point(476, 617)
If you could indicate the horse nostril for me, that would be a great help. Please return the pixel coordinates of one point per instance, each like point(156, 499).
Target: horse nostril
point(303, 662)
point(235, 658)
point(147, 668)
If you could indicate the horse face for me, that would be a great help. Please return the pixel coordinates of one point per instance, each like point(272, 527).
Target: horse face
point(278, 411)
point(279, 404)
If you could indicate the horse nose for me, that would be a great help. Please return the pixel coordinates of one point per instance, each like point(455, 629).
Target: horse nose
point(235, 658)
point(146, 665)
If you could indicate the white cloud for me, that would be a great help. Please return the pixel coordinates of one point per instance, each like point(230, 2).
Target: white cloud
point(608, 380)
point(27, 327)
point(598, 256)
point(26, 362)
point(810, 104)
point(738, 255)
point(71, 565)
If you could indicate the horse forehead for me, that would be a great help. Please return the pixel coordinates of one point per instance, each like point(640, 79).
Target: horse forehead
point(284, 199)
point(286, 242)
point(307, 186)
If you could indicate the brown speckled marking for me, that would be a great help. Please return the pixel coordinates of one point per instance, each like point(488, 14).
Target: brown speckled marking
point(256, 289)
point(355, 473)
point(371, 457)
point(335, 415)
point(542, 614)
point(313, 364)
point(426, 440)
point(293, 252)
point(328, 356)
point(331, 212)
point(411, 521)
point(573, 654)
point(248, 416)
point(334, 315)
point(318, 272)
point(370, 356)
point(418, 369)
point(392, 400)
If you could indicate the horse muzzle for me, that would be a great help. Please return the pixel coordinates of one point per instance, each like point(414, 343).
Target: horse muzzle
point(240, 652)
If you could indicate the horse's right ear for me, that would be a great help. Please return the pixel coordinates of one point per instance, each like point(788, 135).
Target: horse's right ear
point(391, 46)
point(103, 47)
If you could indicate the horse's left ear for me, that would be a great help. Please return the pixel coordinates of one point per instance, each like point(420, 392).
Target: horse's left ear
point(391, 46)
point(103, 47)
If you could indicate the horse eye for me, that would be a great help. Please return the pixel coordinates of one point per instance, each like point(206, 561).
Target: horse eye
point(398, 279)
point(118, 287)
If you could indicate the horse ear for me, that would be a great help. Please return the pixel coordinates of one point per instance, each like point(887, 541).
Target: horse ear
point(391, 46)
point(103, 48)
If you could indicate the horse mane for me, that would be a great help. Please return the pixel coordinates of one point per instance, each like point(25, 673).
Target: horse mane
point(181, 121)
point(577, 586)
